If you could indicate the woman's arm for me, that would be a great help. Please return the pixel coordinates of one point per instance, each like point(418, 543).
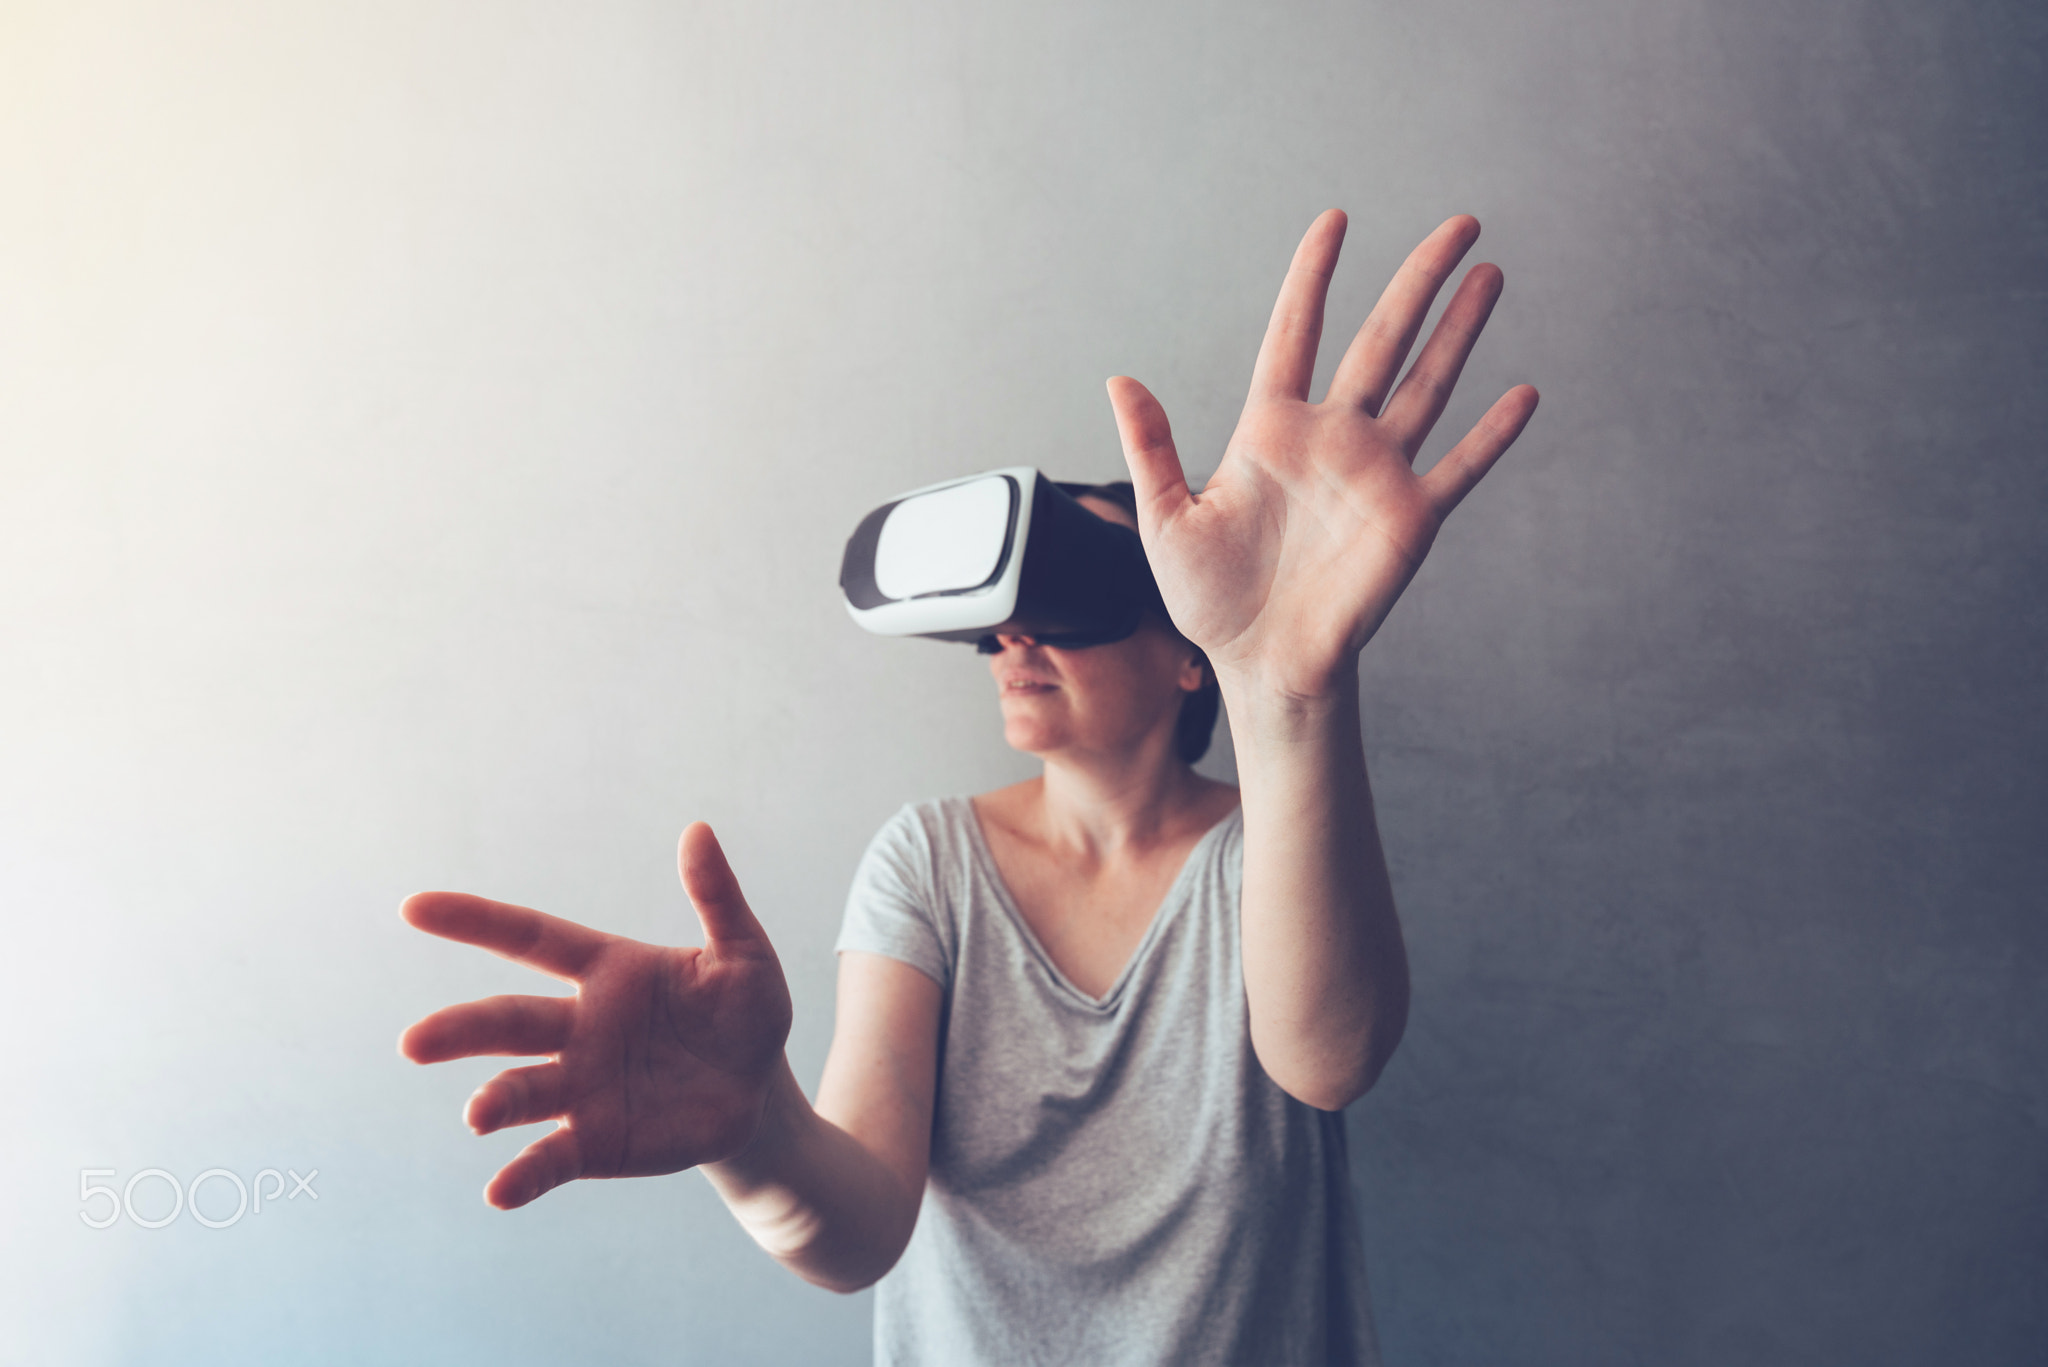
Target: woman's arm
point(832, 1191)
point(1281, 569)
point(1325, 968)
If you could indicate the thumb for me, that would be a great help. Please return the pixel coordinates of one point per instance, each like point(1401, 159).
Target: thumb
point(1147, 437)
point(713, 890)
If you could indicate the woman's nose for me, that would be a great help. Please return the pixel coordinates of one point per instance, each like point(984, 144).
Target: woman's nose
point(995, 643)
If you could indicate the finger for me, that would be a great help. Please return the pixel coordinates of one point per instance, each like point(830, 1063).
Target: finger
point(540, 1167)
point(1420, 398)
point(518, 1096)
point(1156, 476)
point(714, 891)
point(1451, 478)
point(530, 937)
point(1375, 355)
point(495, 1025)
point(1287, 358)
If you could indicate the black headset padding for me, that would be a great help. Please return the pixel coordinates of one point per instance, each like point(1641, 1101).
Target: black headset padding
point(1082, 574)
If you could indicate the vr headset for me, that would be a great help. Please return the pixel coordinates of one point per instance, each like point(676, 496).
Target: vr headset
point(1007, 552)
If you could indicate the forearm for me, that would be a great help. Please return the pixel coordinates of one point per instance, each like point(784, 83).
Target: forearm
point(1326, 971)
point(814, 1197)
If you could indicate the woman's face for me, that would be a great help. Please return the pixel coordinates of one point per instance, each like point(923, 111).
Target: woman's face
point(1102, 699)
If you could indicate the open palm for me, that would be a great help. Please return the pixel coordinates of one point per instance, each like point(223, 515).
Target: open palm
point(1290, 558)
point(660, 1061)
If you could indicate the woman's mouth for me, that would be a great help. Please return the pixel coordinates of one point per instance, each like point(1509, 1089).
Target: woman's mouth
point(1013, 687)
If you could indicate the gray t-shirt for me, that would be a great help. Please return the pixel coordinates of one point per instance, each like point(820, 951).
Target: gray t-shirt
point(1116, 1180)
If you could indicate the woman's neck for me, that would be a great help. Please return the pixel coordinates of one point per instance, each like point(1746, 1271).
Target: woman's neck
point(1104, 806)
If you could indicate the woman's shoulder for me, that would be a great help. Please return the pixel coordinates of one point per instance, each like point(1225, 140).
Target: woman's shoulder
point(1220, 817)
point(934, 830)
point(1219, 802)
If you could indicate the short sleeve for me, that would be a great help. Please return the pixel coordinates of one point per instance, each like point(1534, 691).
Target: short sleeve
point(893, 908)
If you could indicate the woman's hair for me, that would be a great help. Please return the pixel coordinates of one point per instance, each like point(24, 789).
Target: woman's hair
point(1196, 725)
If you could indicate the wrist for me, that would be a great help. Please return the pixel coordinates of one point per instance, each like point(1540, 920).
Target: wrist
point(783, 1111)
point(1296, 705)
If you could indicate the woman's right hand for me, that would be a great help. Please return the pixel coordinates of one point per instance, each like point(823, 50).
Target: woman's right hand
point(662, 1059)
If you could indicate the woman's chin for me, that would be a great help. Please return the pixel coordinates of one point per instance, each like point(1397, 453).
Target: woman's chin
point(1031, 738)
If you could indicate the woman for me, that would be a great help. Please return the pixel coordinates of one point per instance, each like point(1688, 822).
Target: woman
point(1091, 1064)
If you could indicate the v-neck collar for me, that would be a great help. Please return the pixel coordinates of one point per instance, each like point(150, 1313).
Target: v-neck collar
point(1161, 914)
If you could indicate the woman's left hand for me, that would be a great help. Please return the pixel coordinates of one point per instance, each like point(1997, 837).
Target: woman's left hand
point(1288, 561)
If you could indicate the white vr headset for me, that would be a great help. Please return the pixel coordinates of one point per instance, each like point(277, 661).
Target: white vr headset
point(1007, 552)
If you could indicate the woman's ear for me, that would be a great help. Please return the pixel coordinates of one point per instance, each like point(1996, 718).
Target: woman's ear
point(1194, 671)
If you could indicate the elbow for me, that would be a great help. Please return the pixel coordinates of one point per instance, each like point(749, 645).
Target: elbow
point(840, 1285)
point(854, 1270)
point(1334, 1099)
point(851, 1259)
point(1331, 1091)
point(1332, 1078)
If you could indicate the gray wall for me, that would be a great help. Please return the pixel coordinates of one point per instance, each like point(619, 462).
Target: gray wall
point(427, 430)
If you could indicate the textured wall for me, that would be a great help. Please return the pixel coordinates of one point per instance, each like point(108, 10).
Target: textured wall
point(426, 432)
